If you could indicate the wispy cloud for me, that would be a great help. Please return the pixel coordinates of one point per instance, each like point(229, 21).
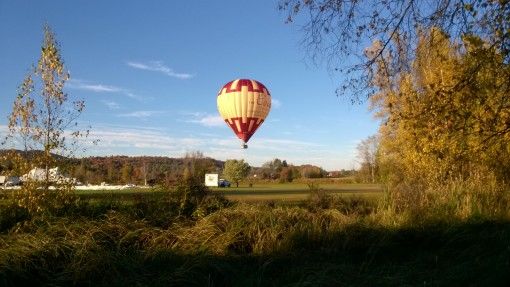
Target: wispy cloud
point(211, 121)
point(93, 87)
point(284, 143)
point(204, 119)
point(100, 88)
point(140, 114)
point(158, 141)
point(275, 103)
point(141, 141)
point(158, 66)
point(111, 104)
point(153, 141)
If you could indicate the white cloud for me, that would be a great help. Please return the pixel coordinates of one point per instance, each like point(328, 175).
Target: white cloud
point(141, 114)
point(131, 95)
point(275, 103)
point(111, 104)
point(100, 88)
point(204, 119)
point(212, 121)
point(141, 140)
point(158, 66)
point(209, 121)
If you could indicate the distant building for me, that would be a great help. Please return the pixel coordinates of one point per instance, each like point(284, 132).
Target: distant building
point(39, 174)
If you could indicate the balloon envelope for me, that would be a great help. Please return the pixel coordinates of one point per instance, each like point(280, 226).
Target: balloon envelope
point(244, 105)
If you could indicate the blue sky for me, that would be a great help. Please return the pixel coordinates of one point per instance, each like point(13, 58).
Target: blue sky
point(149, 72)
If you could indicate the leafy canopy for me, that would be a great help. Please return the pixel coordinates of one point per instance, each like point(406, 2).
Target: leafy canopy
point(236, 170)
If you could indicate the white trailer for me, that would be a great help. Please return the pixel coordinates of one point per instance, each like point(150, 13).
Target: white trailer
point(211, 179)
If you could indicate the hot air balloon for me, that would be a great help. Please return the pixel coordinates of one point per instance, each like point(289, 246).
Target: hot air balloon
point(244, 104)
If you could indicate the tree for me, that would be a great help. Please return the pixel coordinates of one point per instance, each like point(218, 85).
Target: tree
point(80, 171)
point(273, 168)
point(198, 165)
point(367, 154)
point(111, 171)
point(437, 75)
point(126, 173)
point(236, 170)
point(44, 118)
point(311, 171)
point(339, 30)
point(286, 175)
point(22, 116)
point(438, 128)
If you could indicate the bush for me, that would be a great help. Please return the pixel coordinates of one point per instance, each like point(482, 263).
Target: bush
point(160, 211)
point(190, 192)
point(356, 206)
point(11, 215)
point(318, 198)
point(40, 200)
point(211, 204)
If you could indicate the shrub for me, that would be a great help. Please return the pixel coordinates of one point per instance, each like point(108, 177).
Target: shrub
point(160, 211)
point(318, 198)
point(190, 191)
point(10, 215)
point(40, 200)
point(356, 206)
point(211, 204)
point(480, 195)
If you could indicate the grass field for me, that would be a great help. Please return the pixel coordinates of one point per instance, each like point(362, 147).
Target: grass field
point(138, 237)
point(295, 191)
point(255, 193)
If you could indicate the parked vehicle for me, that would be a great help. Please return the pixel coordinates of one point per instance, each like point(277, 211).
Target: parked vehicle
point(7, 181)
point(223, 183)
point(10, 183)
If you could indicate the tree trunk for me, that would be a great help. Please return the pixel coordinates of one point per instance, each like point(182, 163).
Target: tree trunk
point(372, 171)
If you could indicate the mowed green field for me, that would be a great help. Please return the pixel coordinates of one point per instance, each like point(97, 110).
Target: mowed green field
point(295, 191)
point(255, 193)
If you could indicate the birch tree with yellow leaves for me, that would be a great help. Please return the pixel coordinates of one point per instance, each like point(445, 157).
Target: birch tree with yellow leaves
point(44, 119)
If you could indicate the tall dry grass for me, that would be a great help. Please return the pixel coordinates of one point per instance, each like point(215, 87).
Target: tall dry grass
point(326, 240)
point(479, 196)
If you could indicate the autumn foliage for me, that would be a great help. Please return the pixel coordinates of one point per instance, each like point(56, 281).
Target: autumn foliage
point(445, 120)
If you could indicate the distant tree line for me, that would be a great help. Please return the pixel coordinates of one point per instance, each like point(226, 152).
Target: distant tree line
point(282, 171)
point(139, 170)
point(152, 170)
point(124, 169)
